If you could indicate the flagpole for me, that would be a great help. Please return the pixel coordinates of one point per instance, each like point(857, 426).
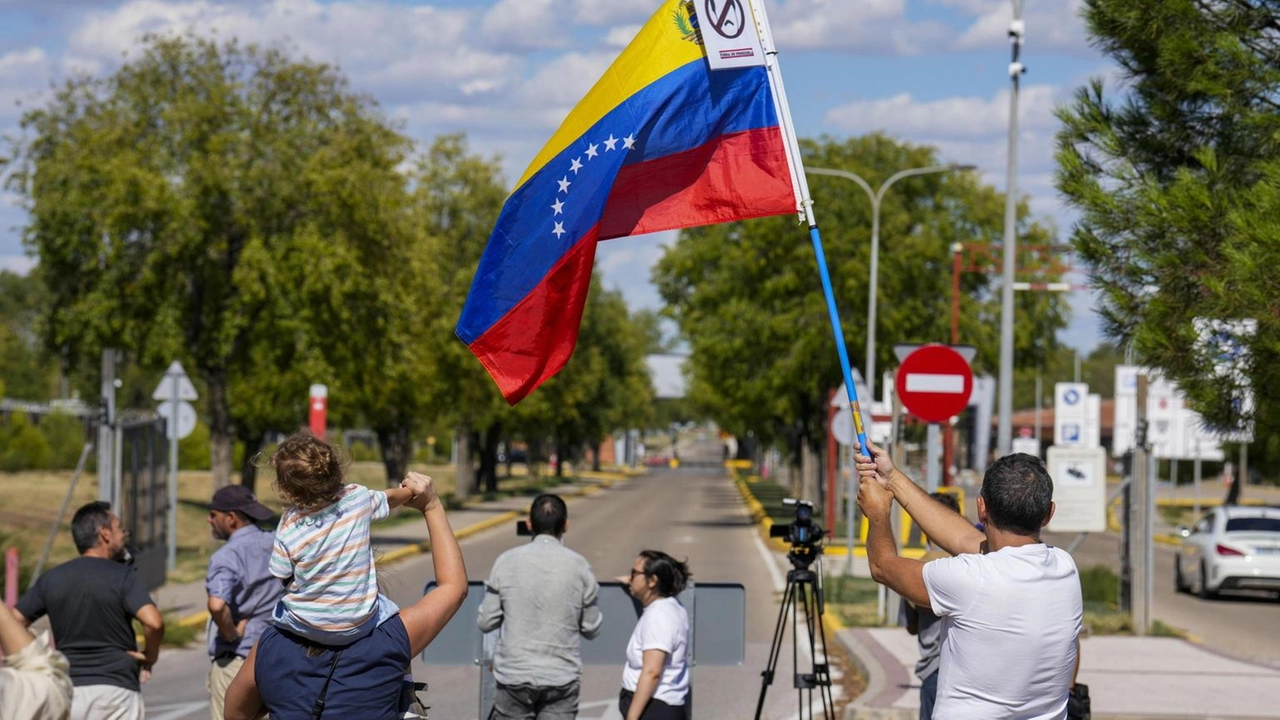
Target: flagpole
point(801, 184)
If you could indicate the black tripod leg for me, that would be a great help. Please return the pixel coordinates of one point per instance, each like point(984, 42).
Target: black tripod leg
point(821, 670)
point(775, 646)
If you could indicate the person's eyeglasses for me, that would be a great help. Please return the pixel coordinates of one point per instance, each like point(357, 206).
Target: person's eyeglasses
point(635, 572)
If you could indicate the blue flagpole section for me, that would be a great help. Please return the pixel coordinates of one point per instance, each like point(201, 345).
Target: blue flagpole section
point(805, 205)
point(852, 391)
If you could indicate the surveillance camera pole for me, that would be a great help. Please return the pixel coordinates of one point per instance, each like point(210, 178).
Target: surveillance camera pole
point(1005, 435)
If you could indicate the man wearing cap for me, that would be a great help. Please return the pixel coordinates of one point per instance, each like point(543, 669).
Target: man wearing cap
point(241, 589)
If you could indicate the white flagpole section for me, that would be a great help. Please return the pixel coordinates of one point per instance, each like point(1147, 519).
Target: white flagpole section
point(801, 184)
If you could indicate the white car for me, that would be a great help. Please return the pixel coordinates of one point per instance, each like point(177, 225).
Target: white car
point(1231, 548)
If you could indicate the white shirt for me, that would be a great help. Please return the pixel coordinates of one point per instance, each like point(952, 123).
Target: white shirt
point(664, 625)
point(1010, 622)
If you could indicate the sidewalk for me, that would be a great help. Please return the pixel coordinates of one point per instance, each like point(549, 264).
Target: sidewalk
point(187, 601)
point(1129, 678)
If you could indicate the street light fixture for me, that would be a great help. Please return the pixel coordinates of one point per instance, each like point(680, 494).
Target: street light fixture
point(876, 196)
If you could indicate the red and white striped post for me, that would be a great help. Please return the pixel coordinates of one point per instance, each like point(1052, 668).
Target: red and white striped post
point(319, 408)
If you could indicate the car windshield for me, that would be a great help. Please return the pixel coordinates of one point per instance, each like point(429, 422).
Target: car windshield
point(1253, 524)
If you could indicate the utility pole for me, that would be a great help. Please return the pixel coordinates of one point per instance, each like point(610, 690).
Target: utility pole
point(107, 485)
point(1141, 510)
point(1004, 440)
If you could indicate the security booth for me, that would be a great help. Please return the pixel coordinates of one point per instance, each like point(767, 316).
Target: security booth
point(716, 637)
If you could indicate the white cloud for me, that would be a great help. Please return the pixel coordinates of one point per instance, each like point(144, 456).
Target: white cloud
point(594, 12)
point(621, 36)
point(20, 264)
point(861, 26)
point(624, 264)
point(526, 24)
point(395, 51)
point(947, 117)
point(23, 75)
point(1050, 26)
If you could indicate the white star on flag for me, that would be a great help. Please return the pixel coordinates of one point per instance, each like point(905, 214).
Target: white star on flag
point(576, 166)
point(558, 207)
point(628, 142)
point(591, 150)
point(564, 184)
point(559, 230)
point(611, 143)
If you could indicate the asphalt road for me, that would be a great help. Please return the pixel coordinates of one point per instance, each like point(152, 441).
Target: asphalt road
point(688, 513)
point(1242, 624)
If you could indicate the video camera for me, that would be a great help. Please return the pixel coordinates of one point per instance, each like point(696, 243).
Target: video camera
point(803, 533)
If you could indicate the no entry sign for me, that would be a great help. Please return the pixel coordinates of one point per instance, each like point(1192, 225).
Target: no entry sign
point(934, 382)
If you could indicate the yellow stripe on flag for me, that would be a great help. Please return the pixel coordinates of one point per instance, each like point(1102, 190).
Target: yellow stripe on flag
point(661, 46)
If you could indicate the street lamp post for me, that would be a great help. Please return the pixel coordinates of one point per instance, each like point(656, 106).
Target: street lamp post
point(1004, 436)
point(876, 196)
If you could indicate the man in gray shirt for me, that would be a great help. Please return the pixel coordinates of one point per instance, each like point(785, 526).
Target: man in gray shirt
point(543, 597)
point(241, 590)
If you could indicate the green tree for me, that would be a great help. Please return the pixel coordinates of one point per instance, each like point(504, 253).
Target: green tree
point(456, 200)
point(604, 387)
point(1174, 174)
point(26, 375)
point(747, 297)
point(164, 199)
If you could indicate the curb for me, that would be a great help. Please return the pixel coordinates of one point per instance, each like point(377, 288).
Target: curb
point(606, 480)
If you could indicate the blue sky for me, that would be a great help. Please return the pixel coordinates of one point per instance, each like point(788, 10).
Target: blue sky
point(507, 71)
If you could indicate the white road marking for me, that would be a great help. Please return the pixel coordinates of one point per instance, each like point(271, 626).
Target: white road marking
point(770, 563)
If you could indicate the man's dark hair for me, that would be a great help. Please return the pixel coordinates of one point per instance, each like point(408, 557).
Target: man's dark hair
point(1018, 493)
point(672, 574)
point(86, 523)
point(548, 515)
point(948, 499)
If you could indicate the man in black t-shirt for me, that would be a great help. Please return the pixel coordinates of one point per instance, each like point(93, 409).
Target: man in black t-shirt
point(91, 602)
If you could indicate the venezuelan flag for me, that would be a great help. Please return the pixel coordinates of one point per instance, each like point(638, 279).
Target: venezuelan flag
point(661, 142)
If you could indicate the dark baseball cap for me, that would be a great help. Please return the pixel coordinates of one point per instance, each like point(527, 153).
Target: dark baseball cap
point(239, 498)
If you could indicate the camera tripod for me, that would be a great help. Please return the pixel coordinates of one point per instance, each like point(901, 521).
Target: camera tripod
point(803, 591)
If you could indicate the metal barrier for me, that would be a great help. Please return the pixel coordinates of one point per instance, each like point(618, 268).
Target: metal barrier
point(144, 496)
point(717, 637)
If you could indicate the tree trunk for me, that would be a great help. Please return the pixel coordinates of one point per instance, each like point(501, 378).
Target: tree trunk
point(249, 466)
point(465, 470)
point(489, 456)
point(595, 456)
point(220, 432)
point(562, 454)
point(811, 472)
point(394, 445)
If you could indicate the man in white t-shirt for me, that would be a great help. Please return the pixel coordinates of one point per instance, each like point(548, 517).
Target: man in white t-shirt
point(1010, 605)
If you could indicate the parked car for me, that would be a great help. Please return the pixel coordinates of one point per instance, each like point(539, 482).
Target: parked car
point(1231, 548)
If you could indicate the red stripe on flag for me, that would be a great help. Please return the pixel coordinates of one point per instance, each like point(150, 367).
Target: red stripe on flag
point(734, 177)
point(536, 338)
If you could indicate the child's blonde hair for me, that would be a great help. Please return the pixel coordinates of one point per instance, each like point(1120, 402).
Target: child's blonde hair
point(309, 473)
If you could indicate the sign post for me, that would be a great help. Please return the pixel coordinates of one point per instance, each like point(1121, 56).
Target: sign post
point(175, 392)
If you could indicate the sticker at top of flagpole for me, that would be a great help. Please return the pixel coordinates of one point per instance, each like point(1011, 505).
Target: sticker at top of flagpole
point(729, 33)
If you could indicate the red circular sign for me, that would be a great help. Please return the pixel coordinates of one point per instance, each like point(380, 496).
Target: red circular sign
point(934, 383)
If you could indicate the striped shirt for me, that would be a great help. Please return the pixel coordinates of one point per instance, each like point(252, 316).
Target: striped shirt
point(327, 562)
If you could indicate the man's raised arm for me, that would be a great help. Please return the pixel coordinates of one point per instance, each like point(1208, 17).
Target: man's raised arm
point(940, 523)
